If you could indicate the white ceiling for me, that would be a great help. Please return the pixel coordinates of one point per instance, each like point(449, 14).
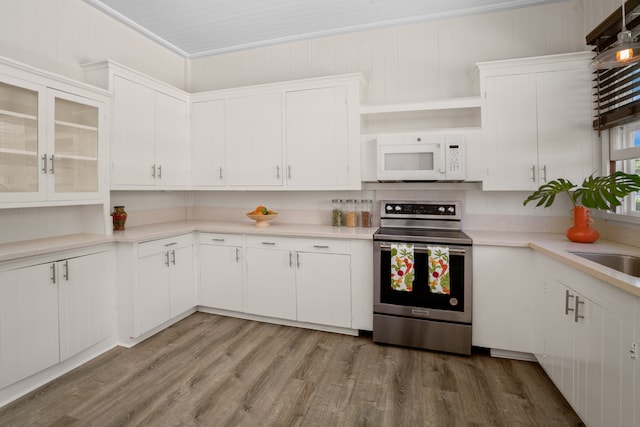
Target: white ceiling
point(196, 28)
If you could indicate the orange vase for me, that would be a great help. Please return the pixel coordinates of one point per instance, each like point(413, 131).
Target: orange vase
point(581, 231)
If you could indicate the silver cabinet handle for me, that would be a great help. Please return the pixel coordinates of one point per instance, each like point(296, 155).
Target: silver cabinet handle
point(289, 172)
point(153, 171)
point(160, 172)
point(278, 171)
point(290, 259)
point(66, 270)
point(217, 240)
point(567, 295)
point(166, 258)
point(533, 173)
point(577, 310)
point(170, 244)
point(220, 172)
point(321, 246)
point(298, 259)
point(269, 243)
point(52, 164)
point(53, 273)
point(44, 163)
point(173, 257)
point(237, 254)
point(544, 173)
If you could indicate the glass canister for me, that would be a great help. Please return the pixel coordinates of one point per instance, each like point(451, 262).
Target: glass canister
point(351, 213)
point(366, 206)
point(337, 219)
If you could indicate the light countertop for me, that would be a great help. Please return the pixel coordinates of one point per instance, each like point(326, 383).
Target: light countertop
point(559, 247)
point(555, 245)
point(29, 248)
point(158, 231)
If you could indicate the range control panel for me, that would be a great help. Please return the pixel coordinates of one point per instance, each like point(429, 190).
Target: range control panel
point(421, 210)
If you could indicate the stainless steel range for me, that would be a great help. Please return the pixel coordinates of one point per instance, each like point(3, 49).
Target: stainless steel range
point(422, 277)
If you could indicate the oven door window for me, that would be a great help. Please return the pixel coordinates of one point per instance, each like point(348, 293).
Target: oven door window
point(421, 295)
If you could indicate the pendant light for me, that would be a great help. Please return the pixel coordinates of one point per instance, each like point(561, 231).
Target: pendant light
point(623, 52)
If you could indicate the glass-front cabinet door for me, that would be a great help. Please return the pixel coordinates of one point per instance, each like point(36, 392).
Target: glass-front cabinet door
point(21, 141)
point(73, 159)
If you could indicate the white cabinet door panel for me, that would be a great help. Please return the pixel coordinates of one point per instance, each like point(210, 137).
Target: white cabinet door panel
point(511, 123)
point(317, 137)
point(85, 302)
point(324, 288)
point(564, 131)
point(153, 305)
point(171, 141)
point(221, 284)
point(133, 139)
point(181, 280)
point(253, 140)
point(271, 286)
point(28, 322)
point(207, 143)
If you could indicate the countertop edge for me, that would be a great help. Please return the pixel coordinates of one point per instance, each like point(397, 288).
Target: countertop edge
point(557, 246)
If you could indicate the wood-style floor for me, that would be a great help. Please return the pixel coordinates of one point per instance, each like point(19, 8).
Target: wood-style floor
point(217, 371)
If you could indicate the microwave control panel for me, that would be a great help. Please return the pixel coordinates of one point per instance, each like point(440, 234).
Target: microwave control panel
point(454, 159)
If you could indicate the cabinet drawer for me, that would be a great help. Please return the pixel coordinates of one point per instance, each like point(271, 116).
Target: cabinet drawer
point(270, 242)
point(332, 246)
point(219, 239)
point(158, 246)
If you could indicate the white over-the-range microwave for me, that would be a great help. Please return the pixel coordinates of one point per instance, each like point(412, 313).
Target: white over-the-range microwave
point(421, 157)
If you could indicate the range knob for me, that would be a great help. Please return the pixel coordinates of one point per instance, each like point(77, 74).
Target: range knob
point(451, 209)
point(398, 208)
point(441, 209)
point(389, 208)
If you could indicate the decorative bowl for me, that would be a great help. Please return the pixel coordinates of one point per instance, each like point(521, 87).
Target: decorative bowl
point(262, 220)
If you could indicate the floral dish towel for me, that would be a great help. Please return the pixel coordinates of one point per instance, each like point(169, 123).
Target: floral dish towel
point(402, 273)
point(439, 270)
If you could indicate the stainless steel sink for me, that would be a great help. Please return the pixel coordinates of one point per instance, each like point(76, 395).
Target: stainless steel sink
point(628, 264)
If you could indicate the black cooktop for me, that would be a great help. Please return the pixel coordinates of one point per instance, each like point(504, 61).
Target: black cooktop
point(422, 235)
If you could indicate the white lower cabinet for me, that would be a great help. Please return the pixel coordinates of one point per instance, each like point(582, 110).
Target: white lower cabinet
point(271, 277)
point(306, 280)
point(324, 288)
point(53, 310)
point(503, 308)
point(85, 301)
point(221, 271)
point(584, 341)
point(165, 287)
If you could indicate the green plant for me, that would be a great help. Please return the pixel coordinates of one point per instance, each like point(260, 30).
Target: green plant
point(598, 192)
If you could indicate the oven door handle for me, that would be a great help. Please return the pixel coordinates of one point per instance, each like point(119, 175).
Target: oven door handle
point(454, 251)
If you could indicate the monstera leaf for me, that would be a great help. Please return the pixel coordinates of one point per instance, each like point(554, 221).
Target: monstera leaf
point(604, 192)
point(598, 192)
point(546, 193)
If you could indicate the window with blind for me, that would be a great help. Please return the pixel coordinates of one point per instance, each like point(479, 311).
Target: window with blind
point(617, 101)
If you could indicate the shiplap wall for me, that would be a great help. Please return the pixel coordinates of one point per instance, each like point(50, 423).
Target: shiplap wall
point(59, 35)
point(409, 62)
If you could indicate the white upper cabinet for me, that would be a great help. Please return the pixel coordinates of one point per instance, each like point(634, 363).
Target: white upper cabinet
point(536, 120)
point(133, 116)
point(150, 144)
point(52, 140)
point(317, 138)
point(207, 143)
point(73, 160)
point(253, 139)
point(298, 135)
